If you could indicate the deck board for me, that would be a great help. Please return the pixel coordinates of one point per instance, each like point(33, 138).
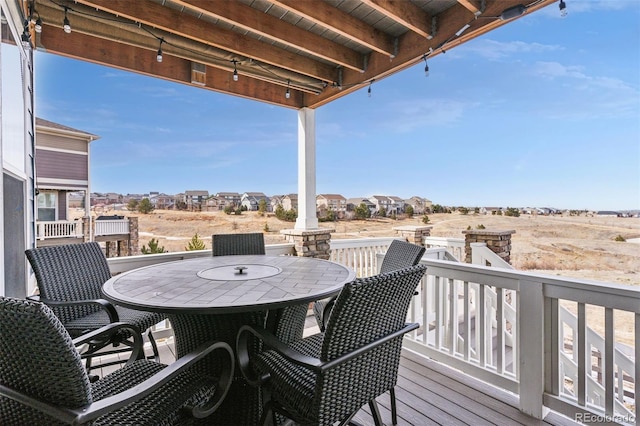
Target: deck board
point(430, 393)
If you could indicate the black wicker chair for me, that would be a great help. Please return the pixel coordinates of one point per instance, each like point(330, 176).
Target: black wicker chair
point(328, 377)
point(43, 381)
point(70, 279)
point(236, 244)
point(400, 254)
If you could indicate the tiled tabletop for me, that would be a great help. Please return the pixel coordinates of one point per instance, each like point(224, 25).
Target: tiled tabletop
point(214, 285)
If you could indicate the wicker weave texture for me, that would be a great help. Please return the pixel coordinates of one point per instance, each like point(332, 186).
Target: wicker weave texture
point(400, 254)
point(365, 310)
point(77, 272)
point(237, 244)
point(40, 360)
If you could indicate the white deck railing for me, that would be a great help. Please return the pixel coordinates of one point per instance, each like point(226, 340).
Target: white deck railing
point(510, 329)
point(359, 254)
point(454, 246)
point(111, 227)
point(506, 327)
point(58, 229)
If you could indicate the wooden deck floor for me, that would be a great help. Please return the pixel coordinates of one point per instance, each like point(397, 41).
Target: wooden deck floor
point(430, 393)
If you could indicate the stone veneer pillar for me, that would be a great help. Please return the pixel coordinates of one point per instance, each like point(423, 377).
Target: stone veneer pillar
point(86, 229)
point(414, 234)
point(134, 241)
point(498, 242)
point(310, 242)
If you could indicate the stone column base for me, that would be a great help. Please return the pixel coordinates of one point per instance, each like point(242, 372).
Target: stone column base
point(310, 243)
point(414, 234)
point(498, 242)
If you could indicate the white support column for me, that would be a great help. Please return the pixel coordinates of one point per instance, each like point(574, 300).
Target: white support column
point(306, 170)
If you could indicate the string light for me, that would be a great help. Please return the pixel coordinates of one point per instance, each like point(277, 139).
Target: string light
point(563, 8)
point(369, 89)
point(38, 25)
point(67, 29)
point(159, 56)
point(66, 25)
point(235, 70)
point(426, 66)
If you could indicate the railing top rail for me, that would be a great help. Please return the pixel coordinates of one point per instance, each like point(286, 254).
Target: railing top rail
point(361, 242)
point(617, 296)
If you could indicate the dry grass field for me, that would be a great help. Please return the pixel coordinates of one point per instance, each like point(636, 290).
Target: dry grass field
point(571, 246)
point(575, 246)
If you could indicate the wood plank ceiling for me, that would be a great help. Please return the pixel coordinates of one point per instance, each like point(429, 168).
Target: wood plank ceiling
point(314, 50)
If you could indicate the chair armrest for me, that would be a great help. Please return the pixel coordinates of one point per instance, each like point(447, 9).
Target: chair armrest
point(103, 303)
point(311, 363)
point(122, 399)
point(270, 340)
point(105, 335)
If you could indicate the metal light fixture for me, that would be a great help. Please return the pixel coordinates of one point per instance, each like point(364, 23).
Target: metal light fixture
point(66, 25)
point(159, 55)
point(563, 8)
point(288, 92)
point(235, 70)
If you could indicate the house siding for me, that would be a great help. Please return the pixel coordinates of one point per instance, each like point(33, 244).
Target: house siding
point(61, 142)
point(61, 165)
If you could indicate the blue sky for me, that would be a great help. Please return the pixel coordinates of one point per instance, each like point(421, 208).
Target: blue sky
point(544, 111)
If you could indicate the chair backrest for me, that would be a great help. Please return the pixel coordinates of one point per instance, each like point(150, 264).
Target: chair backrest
point(401, 254)
point(70, 272)
point(237, 244)
point(369, 308)
point(38, 359)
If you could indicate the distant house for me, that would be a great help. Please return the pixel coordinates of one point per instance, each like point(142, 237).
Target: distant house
point(162, 201)
point(213, 204)
point(194, 199)
point(608, 213)
point(420, 205)
point(333, 202)
point(290, 202)
point(381, 202)
point(490, 210)
point(397, 205)
point(232, 199)
point(62, 167)
point(352, 203)
point(275, 201)
point(251, 200)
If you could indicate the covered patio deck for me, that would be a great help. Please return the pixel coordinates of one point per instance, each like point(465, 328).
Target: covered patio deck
point(428, 393)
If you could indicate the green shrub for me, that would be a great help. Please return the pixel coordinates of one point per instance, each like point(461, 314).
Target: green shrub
point(512, 211)
point(145, 206)
point(481, 226)
point(195, 244)
point(425, 219)
point(153, 248)
point(408, 210)
point(620, 238)
point(362, 211)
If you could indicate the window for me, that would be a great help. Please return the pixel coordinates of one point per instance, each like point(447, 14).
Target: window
point(47, 206)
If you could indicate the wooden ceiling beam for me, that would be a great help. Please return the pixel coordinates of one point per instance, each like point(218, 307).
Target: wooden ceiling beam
point(270, 27)
point(413, 46)
point(135, 59)
point(405, 13)
point(472, 5)
point(327, 16)
point(183, 25)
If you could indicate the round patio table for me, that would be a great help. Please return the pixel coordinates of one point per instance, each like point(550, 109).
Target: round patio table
point(211, 298)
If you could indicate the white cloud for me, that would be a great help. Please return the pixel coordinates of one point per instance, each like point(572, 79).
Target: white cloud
point(414, 114)
point(497, 50)
point(589, 96)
